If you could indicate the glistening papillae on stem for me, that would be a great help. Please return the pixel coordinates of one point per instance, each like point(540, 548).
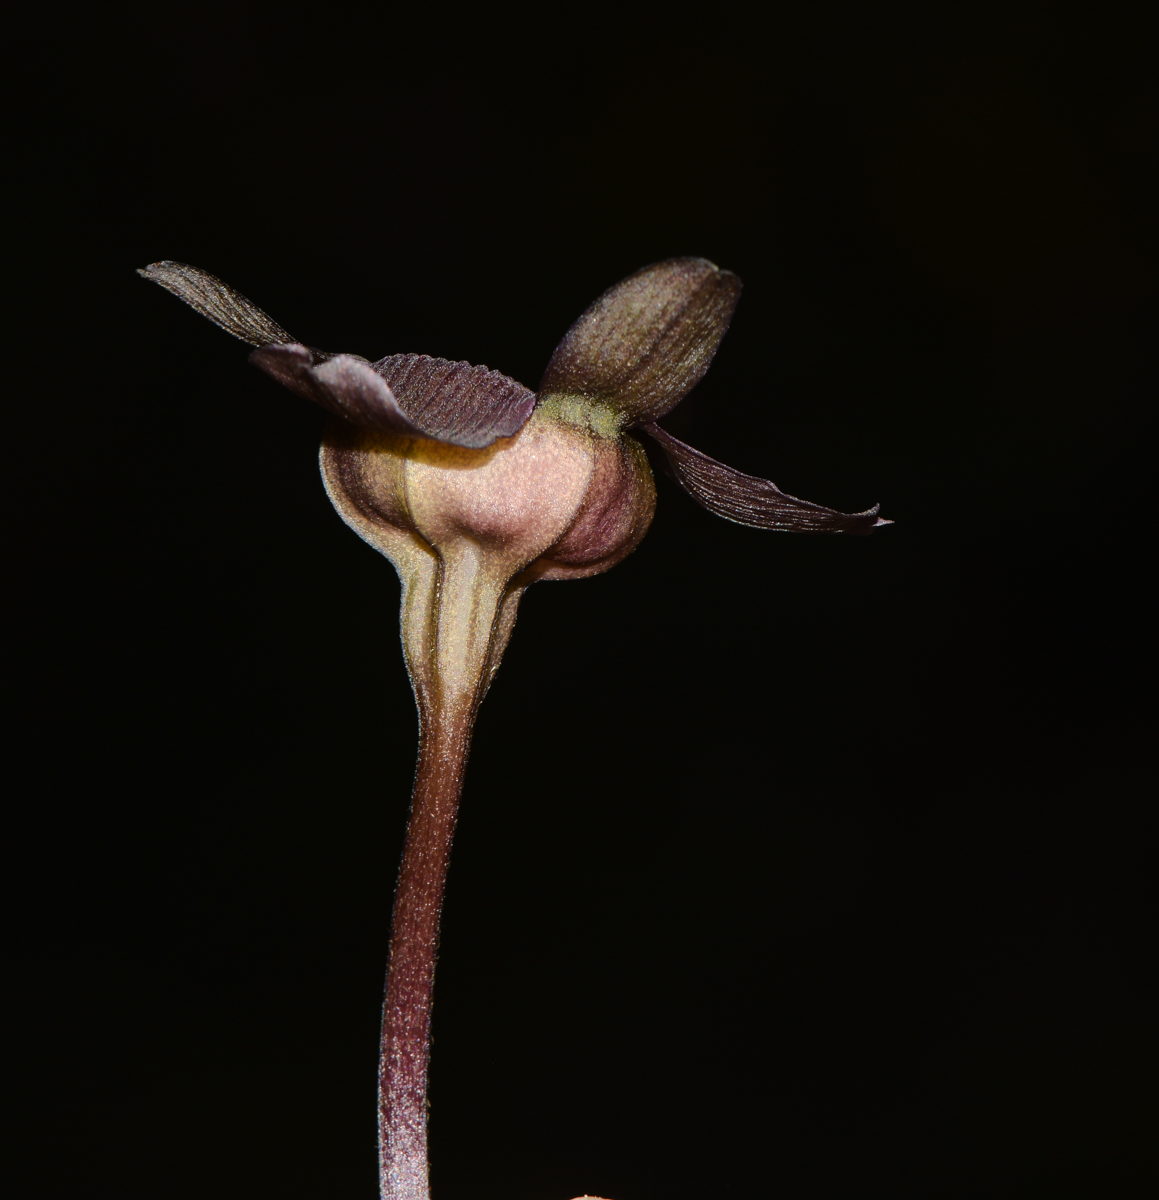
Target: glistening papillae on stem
point(475, 487)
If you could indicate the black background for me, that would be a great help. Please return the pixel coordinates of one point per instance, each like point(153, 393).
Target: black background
point(787, 866)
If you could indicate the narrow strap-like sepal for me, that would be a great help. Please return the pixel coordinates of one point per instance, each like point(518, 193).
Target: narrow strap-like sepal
point(218, 301)
point(751, 501)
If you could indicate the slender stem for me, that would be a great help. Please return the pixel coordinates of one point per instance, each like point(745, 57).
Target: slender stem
point(449, 624)
point(406, 1020)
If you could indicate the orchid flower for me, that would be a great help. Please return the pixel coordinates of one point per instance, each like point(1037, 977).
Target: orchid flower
point(475, 488)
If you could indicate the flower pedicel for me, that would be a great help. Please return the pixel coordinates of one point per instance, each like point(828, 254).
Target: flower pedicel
point(476, 487)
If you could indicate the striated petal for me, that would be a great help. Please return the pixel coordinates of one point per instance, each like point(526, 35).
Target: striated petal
point(751, 501)
point(345, 385)
point(455, 401)
point(411, 394)
point(647, 342)
point(217, 301)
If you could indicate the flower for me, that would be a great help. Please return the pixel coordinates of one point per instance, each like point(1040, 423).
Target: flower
point(454, 470)
point(476, 487)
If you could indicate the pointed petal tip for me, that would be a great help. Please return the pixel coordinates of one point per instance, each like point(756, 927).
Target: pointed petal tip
point(866, 530)
point(749, 500)
point(166, 268)
point(217, 301)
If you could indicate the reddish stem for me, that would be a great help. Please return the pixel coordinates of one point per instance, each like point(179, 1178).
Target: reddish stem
point(406, 1019)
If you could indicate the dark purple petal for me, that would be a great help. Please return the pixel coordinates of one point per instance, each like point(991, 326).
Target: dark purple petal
point(752, 501)
point(217, 301)
point(411, 394)
point(647, 342)
point(345, 385)
point(456, 402)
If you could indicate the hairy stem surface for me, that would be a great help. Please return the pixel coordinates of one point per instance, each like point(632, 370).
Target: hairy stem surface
point(448, 633)
point(406, 1020)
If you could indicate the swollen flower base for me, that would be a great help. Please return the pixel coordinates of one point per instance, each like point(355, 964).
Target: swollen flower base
point(475, 488)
